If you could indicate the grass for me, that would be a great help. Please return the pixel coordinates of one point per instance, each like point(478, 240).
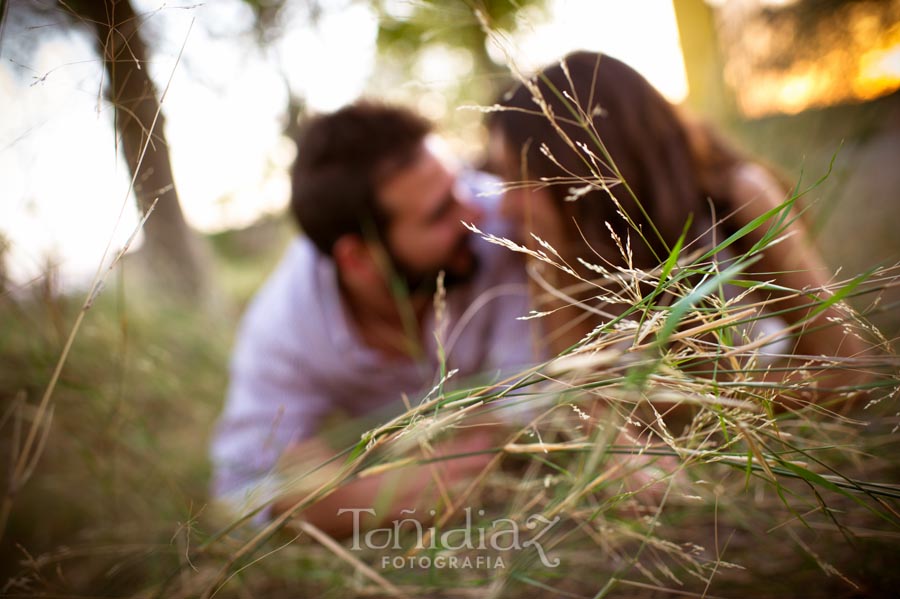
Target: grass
point(133, 399)
point(737, 501)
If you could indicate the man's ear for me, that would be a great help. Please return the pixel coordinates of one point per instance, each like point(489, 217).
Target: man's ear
point(354, 258)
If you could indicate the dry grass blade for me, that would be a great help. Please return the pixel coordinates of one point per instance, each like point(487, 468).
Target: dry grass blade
point(348, 557)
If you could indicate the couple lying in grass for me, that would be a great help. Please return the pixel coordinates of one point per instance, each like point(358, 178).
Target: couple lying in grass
point(643, 246)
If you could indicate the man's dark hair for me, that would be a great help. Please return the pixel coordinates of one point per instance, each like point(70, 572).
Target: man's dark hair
point(342, 159)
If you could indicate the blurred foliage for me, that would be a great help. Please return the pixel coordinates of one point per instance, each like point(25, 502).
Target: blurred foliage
point(407, 27)
point(124, 465)
point(408, 31)
point(247, 256)
point(816, 24)
point(123, 477)
point(807, 54)
point(423, 23)
point(434, 55)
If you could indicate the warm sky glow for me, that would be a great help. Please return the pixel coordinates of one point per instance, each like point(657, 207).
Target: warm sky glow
point(879, 71)
point(850, 58)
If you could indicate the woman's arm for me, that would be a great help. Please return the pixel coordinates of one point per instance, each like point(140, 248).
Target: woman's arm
point(795, 264)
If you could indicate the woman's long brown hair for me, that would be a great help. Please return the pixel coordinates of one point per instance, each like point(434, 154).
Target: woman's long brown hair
point(600, 103)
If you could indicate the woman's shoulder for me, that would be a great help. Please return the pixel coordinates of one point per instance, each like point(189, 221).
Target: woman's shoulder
point(751, 182)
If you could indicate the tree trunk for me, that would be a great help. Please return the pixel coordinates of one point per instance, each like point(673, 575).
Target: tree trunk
point(174, 255)
point(708, 94)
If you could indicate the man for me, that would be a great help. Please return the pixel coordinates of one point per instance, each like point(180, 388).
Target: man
point(347, 321)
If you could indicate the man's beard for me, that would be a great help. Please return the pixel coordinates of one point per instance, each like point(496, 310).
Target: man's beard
point(422, 283)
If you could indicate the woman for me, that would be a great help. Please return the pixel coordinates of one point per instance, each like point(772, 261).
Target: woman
point(603, 168)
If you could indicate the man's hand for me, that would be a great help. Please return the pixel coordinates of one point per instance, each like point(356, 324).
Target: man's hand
point(406, 488)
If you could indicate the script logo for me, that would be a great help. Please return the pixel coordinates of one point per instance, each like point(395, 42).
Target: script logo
point(501, 535)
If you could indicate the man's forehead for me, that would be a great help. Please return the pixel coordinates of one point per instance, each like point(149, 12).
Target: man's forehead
point(439, 147)
point(416, 189)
